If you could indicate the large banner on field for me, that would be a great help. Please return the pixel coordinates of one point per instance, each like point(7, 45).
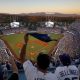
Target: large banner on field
point(42, 37)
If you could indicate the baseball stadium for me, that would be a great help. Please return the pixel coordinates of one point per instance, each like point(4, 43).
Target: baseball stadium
point(47, 38)
point(14, 41)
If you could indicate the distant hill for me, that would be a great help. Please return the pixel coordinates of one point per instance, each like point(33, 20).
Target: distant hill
point(65, 15)
point(43, 14)
point(38, 16)
point(51, 14)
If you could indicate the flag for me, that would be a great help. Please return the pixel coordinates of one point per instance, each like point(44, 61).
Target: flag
point(42, 37)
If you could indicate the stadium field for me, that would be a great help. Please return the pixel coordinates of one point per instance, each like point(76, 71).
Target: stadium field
point(15, 42)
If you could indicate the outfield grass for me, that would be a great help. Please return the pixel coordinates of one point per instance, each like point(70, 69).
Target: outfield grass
point(34, 45)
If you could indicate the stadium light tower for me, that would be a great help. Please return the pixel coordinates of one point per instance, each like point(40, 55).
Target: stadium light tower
point(14, 24)
point(49, 23)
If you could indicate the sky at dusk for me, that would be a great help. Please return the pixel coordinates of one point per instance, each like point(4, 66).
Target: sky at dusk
point(27, 6)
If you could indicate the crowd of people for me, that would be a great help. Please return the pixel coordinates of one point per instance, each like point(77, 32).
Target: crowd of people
point(8, 31)
point(13, 30)
point(49, 30)
point(39, 70)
